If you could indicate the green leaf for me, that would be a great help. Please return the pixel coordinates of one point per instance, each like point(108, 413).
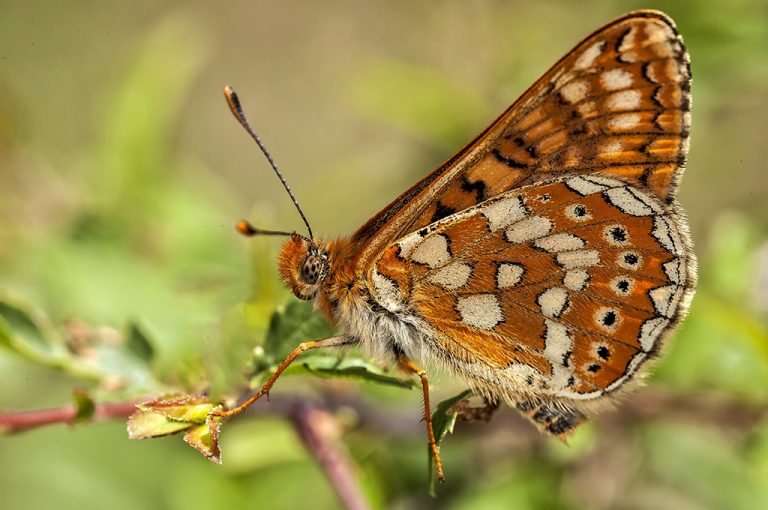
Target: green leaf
point(349, 368)
point(84, 405)
point(289, 326)
point(298, 322)
point(443, 420)
point(293, 324)
point(138, 343)
point(27, 331)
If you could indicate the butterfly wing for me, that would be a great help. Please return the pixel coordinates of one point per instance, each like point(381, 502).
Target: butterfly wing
point(616, 105)
point(562, 289)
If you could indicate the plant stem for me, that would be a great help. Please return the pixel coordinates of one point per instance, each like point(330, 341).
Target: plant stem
point(315, 428)
point(27, 420)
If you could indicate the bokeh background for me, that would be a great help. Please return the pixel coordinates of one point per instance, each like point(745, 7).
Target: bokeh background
point(122, 173)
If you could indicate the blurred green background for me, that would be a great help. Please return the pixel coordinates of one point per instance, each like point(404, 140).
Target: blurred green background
point(122, 173)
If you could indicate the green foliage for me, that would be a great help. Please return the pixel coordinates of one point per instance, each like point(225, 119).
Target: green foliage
point(120, 272)
point(196, 414)
point(27, 332)
point(139, 344)
point(290, 325)
point(443, 420)
point(354, 368)
point(101, 356)
point(297, 322)
point(84, 406)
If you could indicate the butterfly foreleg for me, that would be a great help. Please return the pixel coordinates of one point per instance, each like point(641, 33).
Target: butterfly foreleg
point(408, 366)
point(334, 341)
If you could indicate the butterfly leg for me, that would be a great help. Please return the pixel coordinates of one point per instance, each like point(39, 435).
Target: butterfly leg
point(408, 366)
point(334, 341)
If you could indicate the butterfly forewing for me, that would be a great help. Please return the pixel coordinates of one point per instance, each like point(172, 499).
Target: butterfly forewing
point(617, 105)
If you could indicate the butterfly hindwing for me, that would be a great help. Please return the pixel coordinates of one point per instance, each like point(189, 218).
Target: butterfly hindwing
point(563, 288)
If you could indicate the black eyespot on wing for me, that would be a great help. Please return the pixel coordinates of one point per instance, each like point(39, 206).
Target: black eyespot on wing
point(609, 319)
point(631, 259)
point(623, 286)
point(619, 234)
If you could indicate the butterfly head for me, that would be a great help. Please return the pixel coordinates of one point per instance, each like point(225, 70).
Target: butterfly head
point(303, 266)
point(303, 263)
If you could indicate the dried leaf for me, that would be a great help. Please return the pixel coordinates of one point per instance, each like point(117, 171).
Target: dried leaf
point(192, 409)
point(149, 424)
point(205, 438)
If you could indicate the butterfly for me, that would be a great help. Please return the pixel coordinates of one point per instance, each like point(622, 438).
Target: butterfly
point(547, 261)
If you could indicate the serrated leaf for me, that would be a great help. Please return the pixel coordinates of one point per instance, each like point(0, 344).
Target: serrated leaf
point(149, 424)
point(290, 325)
point(192, 409)
point(348, 368)
point(443, 420)
point(26, 330)
point(205, 438)
point(293, 324)
point(171, 414)
point(297, 322)
point(29, 333)
point(138, 343)
point(84, 405)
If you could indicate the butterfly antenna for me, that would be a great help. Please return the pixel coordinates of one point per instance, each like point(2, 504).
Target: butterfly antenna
point(248, 230)
point(237, 110)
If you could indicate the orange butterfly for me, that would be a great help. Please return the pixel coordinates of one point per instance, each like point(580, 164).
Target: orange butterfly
point(547, 261)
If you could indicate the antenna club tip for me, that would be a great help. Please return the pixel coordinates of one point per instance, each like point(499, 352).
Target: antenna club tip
point(234, 106)
point(245, 228)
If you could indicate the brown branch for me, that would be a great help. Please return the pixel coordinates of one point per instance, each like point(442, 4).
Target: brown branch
point(715, 409)
point(22, 421)
point(318, 431)
point(313, 419)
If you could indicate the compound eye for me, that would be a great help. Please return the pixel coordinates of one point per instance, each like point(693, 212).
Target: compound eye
point(310, 270)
